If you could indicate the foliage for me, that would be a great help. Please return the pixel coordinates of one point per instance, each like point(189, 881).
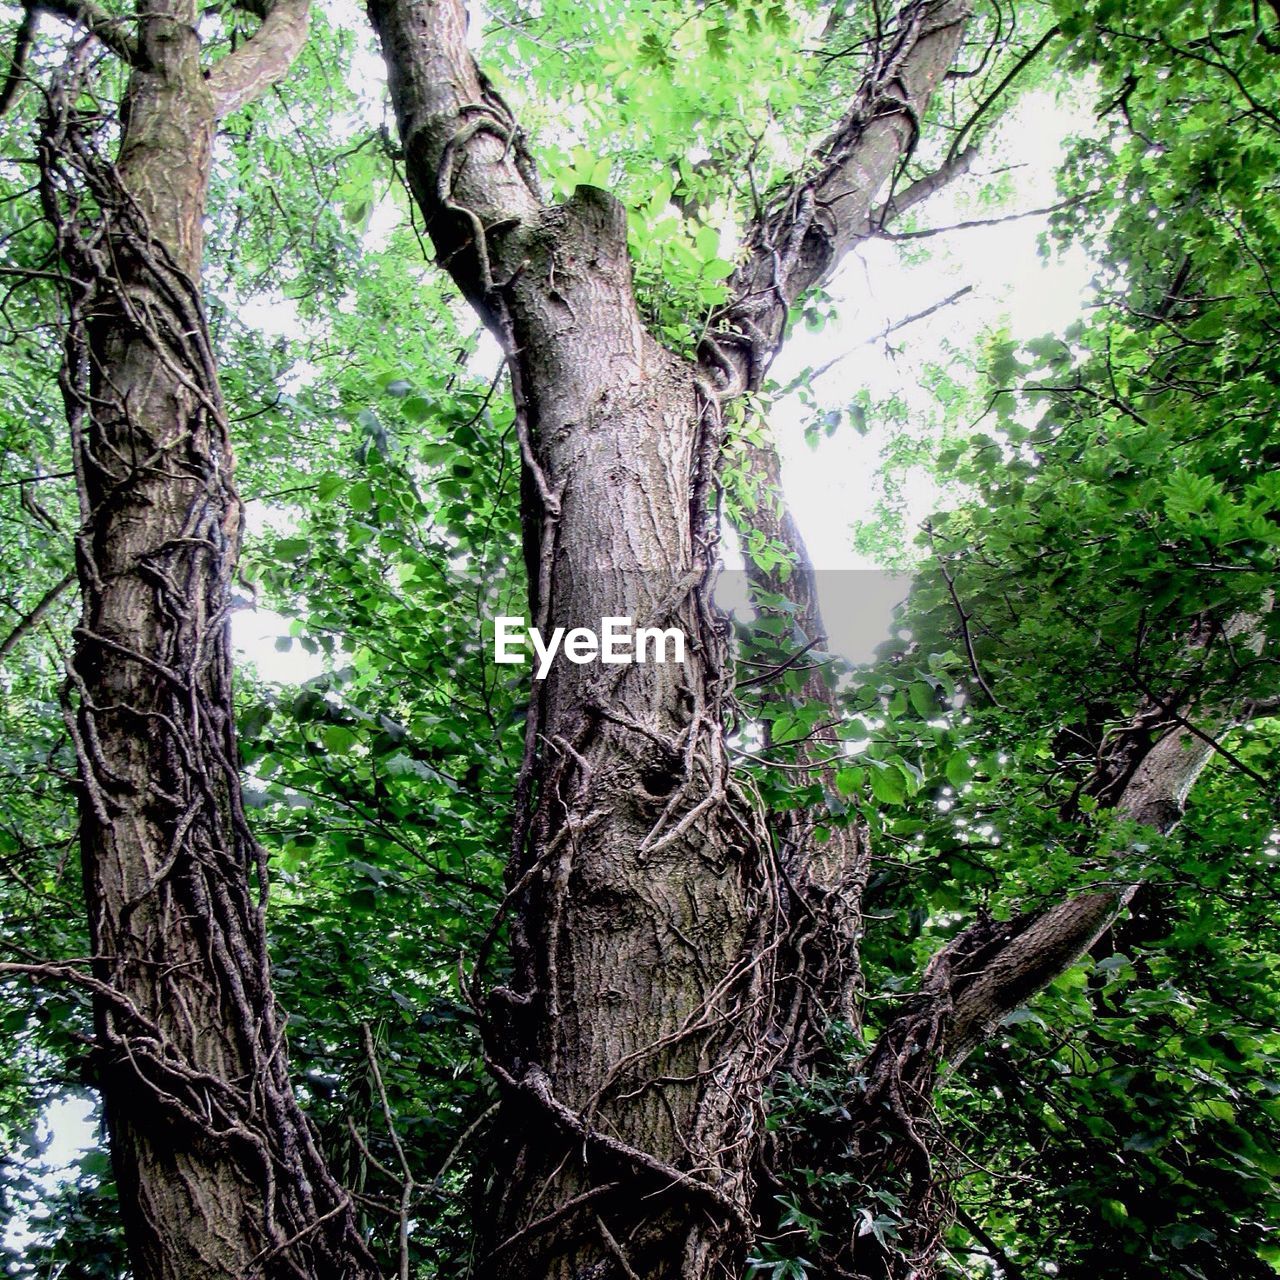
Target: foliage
point(1120, 487)
point(1119, 493)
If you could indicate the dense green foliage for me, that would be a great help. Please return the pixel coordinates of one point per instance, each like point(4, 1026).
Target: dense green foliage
point(1121, 486)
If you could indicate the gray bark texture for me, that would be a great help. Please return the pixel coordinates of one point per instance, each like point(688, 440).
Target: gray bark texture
point(218, 1169)
point(655, 938)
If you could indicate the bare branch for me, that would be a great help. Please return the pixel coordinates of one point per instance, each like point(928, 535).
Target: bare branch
point(1006, 80)
point(949, 578)
point(243, 75)
point(922, 189)
point(406, 1171)
point(812, 375)
point(972, 223)
point(30, 620)
point(106, 27)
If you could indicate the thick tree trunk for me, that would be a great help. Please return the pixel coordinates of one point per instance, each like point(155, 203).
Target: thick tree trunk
point(218, 1169)
point(631, 1039)
point(632, 1035)
point(647, 1008)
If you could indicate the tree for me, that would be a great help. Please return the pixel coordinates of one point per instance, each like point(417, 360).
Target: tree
point(687, 1074)
point(644, 1046)
point(219, 1170)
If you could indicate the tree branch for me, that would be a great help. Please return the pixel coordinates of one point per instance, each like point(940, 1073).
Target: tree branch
point(971, 223)
point(991, 967)
point(1153, 795)
point(810, 376)
point(106, 27)
point(266, 58)
point(793, 246)
point(32, 619)
point(922, 189)
point(985, 972)
point(464, 151)
point(1056, 939)
point(1009, 77)
point(964, 617)
point(18, 60)
point(796, 244)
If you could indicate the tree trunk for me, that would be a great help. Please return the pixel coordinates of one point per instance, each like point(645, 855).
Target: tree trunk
point(631, 1038)
point(218, 1169)
point(648, 1007)
point(634, 1043)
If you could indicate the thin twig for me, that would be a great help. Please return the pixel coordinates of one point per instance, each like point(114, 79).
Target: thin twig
point(964, 622)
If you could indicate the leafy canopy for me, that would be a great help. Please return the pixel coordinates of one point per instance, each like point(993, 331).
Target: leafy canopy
point(1120, 483)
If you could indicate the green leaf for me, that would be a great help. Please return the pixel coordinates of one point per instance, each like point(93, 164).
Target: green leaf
point(289, 549)
point(888, 785)
point(338, 738)
point(416, 409)
point(958, 769)
point(849, 781)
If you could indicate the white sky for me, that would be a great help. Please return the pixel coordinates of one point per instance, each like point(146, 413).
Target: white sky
point(831, 485)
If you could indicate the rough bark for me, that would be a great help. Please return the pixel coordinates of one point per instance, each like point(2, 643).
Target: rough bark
point(218, 1169)
point(645, 1011)
point(238, 79)
point(629, 1036)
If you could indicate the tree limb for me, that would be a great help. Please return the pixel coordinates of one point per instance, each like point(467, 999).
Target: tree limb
point(106, 27)
point(1009, 77)
point(18, 60)
point(796, 244)
point(1039, 947)
point(964, 618)
point(810, 376)
point(922, 189)
point(992, 967)
point(971, 223)
point(464, 151)
point(266, 58)
point(1056, 939)
point(32, 619)
point(1154, 796)
point(978, 978)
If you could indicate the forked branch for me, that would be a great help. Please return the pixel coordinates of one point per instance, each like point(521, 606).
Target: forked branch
point(265, 59)
point(799, 240)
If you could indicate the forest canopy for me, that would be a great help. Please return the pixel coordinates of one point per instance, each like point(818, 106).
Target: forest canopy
point(367, 955)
